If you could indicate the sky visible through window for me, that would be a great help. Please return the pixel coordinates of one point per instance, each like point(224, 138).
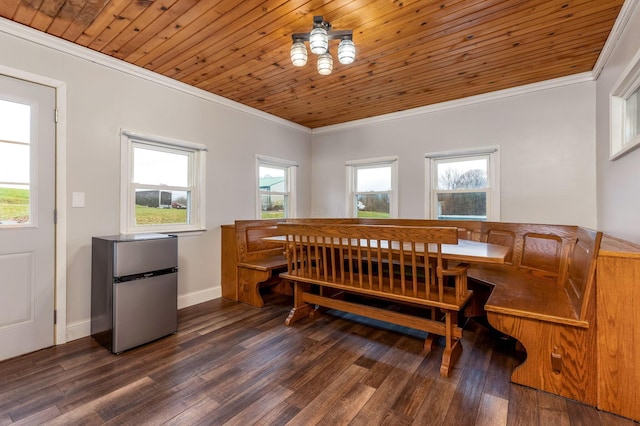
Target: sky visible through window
point(153, 167)
point(371, 179)
point(15, 135)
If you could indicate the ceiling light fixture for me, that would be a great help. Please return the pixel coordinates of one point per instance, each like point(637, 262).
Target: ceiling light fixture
point(318, 40)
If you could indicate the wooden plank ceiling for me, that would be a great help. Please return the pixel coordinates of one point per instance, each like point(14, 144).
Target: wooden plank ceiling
point(409, 53)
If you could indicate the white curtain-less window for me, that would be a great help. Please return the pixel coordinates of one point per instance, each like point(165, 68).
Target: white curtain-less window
point(372, 188)
point(464, 185)
point(276, 188)
point(625, 111)
point(163, 185)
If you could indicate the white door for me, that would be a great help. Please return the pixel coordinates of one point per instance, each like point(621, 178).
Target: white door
point(27, 202)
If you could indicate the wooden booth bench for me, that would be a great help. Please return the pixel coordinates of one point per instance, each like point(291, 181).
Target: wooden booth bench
point(249, 262)
point(544, 297)
point(400, 264)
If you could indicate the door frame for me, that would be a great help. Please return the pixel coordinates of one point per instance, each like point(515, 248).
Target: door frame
point(60, 246)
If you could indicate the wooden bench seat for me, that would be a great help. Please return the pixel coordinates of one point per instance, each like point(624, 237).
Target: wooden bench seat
point(269, 263)
point(519, 293)
point(327, 259)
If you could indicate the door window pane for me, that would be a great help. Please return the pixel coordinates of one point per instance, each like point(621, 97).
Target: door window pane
point(15, 122)
point(15, 163)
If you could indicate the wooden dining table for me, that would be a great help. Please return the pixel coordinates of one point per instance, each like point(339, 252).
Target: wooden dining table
point(465, 251)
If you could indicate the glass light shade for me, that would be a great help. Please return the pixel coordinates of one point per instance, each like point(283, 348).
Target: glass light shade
point(318, 40)
point(298, 54)
point(346, 52)
point(325, 64)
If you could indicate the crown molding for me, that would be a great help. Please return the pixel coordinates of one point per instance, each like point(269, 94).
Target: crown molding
point(463, 102)
point(628, 7)
point(29, 34)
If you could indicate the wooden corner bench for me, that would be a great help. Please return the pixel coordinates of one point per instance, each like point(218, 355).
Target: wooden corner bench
point(544, 297)
point(326, 262)
point(250, 262)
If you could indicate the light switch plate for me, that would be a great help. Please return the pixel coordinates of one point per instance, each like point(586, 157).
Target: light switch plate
point(77, 199)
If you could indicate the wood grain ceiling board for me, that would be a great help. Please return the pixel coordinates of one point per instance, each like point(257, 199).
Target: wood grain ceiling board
point(410, 53)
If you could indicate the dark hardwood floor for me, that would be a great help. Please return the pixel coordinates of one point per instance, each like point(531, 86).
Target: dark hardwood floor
point(234, 364)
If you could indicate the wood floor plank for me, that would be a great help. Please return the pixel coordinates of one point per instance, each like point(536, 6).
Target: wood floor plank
point(279, 416)
point(466, 402)
point(325, 401)
point(436, 404)
point(236, 364)
point(523, 407)
point(553, 411)
point(493, 411)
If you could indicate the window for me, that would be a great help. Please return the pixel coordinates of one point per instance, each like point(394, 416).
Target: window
point(276, 188)
point(162, 184)
point(372, 188)
point(15, 164)
point(463, 185)
point(625, 111)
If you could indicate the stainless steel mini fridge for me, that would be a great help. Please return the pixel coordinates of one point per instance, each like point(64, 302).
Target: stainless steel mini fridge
point(134, 289)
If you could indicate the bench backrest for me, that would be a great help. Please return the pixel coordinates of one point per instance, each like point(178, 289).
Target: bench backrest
point(467, 229)
point(249, 239)
point(369, 257)
point(541, 250)
point(565, 253)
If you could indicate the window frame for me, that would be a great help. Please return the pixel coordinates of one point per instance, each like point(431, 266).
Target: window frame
point(493, 179)
point(352, 168)
point(290, 168)
point(33, 147)
point(623, 89)
point(197, 166)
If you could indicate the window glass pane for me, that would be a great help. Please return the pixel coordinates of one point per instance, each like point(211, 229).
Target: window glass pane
point(462, 174)
point(14, 204)
point(632, 117)
point(373, 205)
point(272, 179)
point(273, 206)
point(156, 207)
point(154, 167)
point(460, 205)
point(15, 122)
point(370, 179)
point(14, 163)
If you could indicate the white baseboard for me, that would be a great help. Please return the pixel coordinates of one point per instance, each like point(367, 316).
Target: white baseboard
point(81, 329)
point(78, 330)
point(196, 297)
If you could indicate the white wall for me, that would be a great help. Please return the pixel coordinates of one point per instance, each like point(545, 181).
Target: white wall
point(619, 180)
point(547, 150)
point(101, 101)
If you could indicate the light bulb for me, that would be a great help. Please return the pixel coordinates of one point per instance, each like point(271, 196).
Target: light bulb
point(346, 51)
point(318, 40)
point(325, 64)
point(298, 54)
